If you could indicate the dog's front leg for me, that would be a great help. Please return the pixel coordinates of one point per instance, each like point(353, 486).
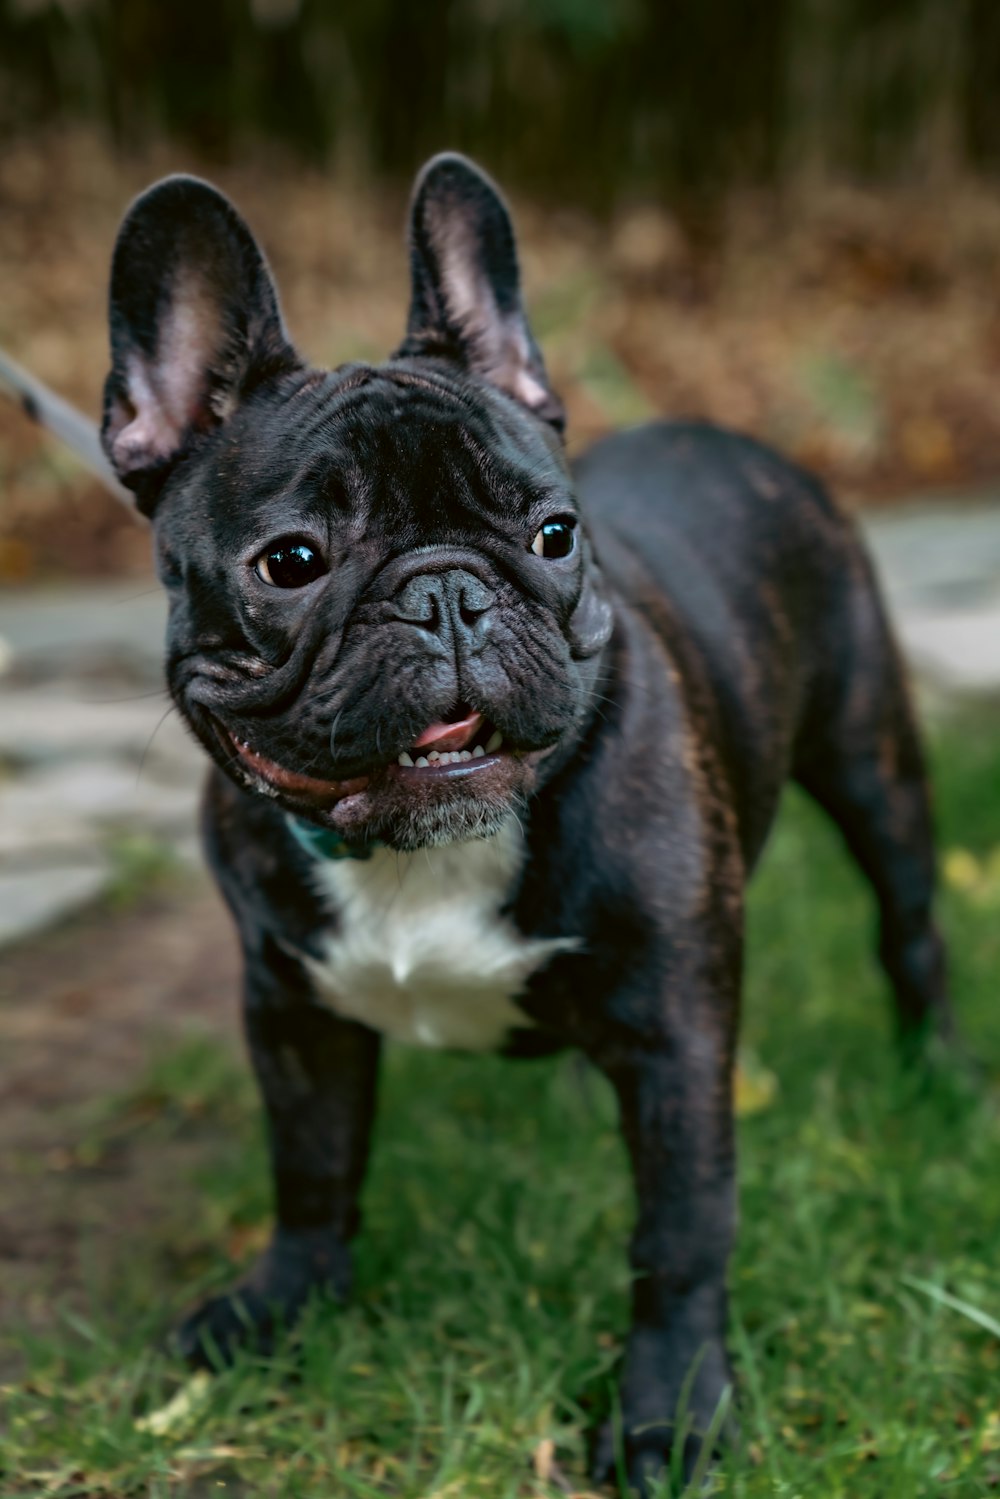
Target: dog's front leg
point(317, 1074)
point(674, 1095)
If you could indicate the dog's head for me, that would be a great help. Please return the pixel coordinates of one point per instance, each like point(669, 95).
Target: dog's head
point(384, 610)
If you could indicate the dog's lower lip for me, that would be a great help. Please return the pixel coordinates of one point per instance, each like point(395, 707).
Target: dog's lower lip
point(440, 772)
point(292, 781)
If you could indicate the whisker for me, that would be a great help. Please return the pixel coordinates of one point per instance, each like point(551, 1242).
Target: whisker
point(333, 733)
point(133, 697)
point(170, 708)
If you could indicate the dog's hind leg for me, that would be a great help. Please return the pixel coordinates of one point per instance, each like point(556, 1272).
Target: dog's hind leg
point(860, 758)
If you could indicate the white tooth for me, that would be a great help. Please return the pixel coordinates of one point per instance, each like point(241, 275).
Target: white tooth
point(434, 755)
point(421, 761)
point(405, 759)
point(465, 755)
point(478, 752)
point(494, 742)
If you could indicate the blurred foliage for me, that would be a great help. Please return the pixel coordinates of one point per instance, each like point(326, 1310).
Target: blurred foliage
point(140, 865)
point(775, 215)
point(856, 328)
point(598, 98)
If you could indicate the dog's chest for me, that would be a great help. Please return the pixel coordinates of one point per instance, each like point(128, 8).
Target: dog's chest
point(423, 950)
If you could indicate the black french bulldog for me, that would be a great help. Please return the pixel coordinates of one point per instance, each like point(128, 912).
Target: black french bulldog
point(497, 740)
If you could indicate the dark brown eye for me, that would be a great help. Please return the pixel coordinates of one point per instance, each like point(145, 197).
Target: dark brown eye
point(557, 538)
point(290, 563)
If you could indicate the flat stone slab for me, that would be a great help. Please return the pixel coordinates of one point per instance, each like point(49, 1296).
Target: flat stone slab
point(936, 558)
point(85, 622)
point(958, 650)
point(69, 804)
point(56, 723)
point(940, 572)
point(33, 899)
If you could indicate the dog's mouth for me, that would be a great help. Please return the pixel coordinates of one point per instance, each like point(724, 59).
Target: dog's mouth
point(465, 746)
point(460, 742)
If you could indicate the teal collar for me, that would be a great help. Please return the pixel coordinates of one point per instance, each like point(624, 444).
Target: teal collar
point(324, 843)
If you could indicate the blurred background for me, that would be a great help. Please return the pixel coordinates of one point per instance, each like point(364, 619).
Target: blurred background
point(781, 215)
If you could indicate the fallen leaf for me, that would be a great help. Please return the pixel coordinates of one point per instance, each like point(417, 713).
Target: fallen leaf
point(960, 869)
point(542, 1459)
point(179, 1408)
point(754, 1087)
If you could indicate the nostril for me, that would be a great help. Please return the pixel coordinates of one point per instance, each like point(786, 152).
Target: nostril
point(474, 599)
point(419, 603)
point(470, 613)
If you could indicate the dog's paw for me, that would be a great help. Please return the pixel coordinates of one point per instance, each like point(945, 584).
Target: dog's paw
point(670, 1431)
point(210, 1335)
point(939, 1064)
point(266, 1301)
point(645, 1458)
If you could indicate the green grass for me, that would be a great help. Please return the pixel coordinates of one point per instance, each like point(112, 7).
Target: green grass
point(492, 1284)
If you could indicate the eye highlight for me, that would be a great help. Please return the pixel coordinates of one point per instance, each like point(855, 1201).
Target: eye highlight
point(290, 562)
point(557, 538)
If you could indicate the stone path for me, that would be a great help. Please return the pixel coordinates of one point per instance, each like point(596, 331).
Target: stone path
point(95, 772)
point(940, 569)
point(94, 766)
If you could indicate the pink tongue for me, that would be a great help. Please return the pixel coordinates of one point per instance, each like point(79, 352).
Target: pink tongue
point(449, 736)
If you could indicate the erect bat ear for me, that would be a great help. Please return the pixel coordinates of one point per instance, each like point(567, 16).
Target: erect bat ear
point(466, 287)
point(194, 326)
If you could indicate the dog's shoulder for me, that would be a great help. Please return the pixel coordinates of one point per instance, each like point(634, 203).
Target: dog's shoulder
point(422, 946)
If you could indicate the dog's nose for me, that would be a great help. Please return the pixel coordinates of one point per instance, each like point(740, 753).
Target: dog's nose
point(452, 602)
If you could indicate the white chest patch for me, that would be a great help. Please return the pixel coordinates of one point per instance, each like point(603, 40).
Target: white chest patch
point(422, 951)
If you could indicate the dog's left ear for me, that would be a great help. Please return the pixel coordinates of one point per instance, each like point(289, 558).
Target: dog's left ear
point(466, 287)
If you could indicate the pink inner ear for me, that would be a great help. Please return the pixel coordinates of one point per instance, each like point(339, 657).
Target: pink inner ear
point(499, 340)
point(529, 390)
point(167, 395)
point(154, 432)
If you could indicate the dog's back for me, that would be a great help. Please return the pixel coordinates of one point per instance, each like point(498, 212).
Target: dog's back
point(753, 578)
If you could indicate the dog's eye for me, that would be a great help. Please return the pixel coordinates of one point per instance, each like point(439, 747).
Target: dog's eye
point(290, 563)
point(557, 538)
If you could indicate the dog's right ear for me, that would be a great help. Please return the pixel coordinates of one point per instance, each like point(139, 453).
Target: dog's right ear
point(195, 325)
point(465, 301)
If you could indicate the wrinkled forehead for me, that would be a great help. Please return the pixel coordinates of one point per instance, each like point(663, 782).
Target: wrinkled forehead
point(365, 432)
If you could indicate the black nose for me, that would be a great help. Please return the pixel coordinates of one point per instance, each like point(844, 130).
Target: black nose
point(449, 603)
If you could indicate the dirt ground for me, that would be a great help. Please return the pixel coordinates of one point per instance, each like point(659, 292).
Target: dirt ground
point(81, 1010)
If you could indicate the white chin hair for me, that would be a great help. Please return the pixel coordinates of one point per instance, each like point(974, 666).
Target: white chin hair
point(433, 826)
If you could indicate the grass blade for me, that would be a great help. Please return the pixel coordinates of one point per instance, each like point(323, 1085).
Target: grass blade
point(965, 1308)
